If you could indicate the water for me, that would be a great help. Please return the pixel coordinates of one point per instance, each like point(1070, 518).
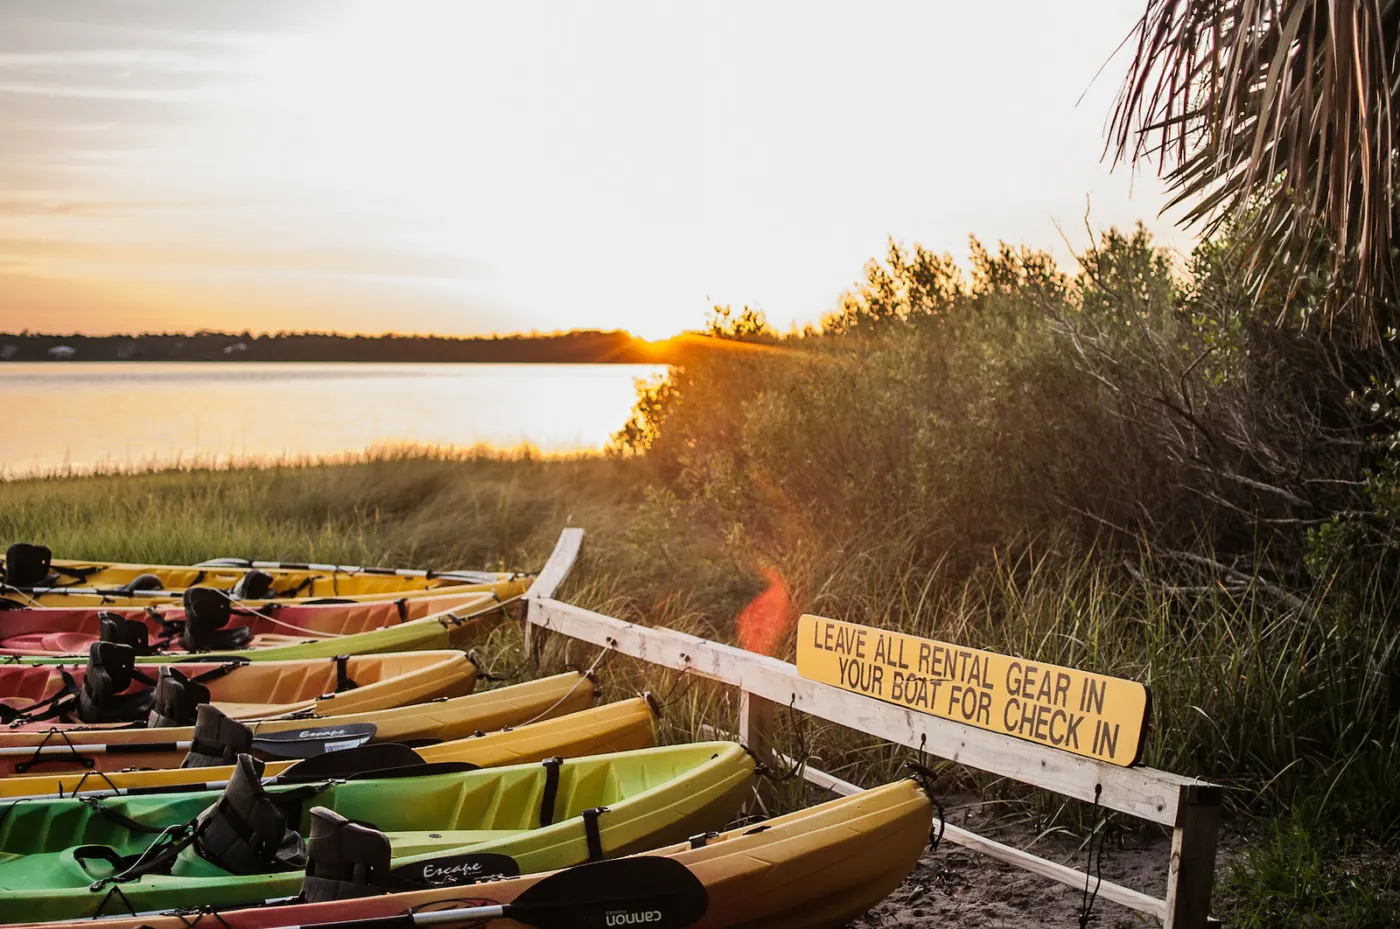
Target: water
point(61, 416)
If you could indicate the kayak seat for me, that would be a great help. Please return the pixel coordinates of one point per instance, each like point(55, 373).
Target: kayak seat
point(255, 585)
point(245, 831)
point(217, 739)
point(344, 859)
point(114, 627)
point(207, 613)
point(111, 668)
point(27, 565)
point(177, 698)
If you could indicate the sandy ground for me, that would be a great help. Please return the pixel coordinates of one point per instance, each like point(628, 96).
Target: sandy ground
point(958, 887)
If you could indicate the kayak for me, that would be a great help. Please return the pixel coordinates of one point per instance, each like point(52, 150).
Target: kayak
point(65, 632)
point(818, 868)
point(58, 858)
point(451, 719)
point(447, 628)
point(28, 567)
point(503, 585)
point(105, 703)
point(571, 729)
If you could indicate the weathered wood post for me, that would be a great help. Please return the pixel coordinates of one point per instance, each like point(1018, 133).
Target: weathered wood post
point(1192, 868)
point(551, 577)
point(756, 718)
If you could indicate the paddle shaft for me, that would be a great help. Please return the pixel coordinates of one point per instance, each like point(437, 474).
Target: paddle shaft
point(83, 748)
point(164, 592)
point(408, 921)
point(470, 576)
point(141, 791)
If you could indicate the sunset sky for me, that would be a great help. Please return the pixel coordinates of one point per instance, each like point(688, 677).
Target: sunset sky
point(464, 168)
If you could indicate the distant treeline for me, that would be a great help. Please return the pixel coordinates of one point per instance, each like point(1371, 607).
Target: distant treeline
point(580, 346)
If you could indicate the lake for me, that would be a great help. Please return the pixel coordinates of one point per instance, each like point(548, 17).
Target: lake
point(78, 416)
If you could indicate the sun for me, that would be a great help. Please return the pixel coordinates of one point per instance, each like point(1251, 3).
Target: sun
point(654, 331)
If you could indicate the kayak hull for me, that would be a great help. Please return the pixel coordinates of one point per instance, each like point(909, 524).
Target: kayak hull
point(453, 627)
point(453, 719)
point(68, 631)
point(614, 727)
point(817, 868)
point(288, 580)
point(651, 796)
point(502, 585)
point(250, 691)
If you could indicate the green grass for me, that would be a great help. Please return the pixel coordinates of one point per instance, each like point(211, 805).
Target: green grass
point(1291, 876)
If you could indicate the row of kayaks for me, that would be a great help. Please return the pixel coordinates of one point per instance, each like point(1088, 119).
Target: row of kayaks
point(52, 611)
point(157, 784)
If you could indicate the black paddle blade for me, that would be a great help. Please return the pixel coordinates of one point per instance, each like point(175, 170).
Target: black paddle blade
point(647, 893)
point(306, 743)
point(352, 761)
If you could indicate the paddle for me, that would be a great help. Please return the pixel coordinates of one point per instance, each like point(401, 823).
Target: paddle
point(481, 577)
point(292, 743)
point(648, 892)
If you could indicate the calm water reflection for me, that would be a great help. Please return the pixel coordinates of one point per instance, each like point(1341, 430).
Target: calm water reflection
point(132, 414)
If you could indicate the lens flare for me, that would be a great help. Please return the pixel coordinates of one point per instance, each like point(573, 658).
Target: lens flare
point(762, 622)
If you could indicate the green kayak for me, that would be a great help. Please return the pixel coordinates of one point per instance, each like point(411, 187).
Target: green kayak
point(63, 859)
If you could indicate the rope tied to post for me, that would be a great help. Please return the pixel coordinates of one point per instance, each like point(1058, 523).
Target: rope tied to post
point(926, 778)
point(1086, 908)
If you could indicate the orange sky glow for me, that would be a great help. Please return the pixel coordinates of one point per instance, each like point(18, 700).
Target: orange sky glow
point(466, 168)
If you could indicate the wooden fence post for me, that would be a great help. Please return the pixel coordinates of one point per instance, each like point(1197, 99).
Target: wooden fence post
point(551, 577)
point(1192, 868)
point(756, 731)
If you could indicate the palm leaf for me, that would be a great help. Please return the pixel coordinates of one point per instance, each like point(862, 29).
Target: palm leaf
point(1276, 116)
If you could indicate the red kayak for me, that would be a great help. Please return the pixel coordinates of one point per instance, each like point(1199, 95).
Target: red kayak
point(70, 631)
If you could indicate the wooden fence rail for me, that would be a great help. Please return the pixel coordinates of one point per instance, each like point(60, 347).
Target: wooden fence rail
point(1191, 807)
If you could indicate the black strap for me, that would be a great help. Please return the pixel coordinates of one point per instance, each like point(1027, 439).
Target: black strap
point(591, 831)
point(213, 674)
point(79, 573)
point(294, 591)
point(38, 758)
point(342, 674)
point(551, 789)
point(120, 818)
point(401, 605)
point(44, 709)
point(133, 867)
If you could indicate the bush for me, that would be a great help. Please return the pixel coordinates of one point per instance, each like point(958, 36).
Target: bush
point(1126, 469)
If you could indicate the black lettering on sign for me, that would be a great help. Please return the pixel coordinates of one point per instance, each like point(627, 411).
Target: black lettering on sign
point(1077, 711)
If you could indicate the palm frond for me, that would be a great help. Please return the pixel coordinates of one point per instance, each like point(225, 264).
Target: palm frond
point(1276, 116)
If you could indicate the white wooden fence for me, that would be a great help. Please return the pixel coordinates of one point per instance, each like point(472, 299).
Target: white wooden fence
point(1191, 807)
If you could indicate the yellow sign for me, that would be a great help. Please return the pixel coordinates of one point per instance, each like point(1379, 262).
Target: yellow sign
point(1088, 714)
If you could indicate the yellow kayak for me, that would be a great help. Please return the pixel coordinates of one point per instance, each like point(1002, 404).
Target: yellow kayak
point(818, 868)
point(296, 693)
point(29, 566)
point(567, 727)
point(502, 585)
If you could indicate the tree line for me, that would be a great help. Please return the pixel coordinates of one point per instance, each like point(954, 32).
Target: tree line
point(586, 346)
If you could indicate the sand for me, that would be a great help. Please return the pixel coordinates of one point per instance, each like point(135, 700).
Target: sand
point(957, 887)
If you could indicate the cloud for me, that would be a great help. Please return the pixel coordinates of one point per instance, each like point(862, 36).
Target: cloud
point(39, 204)
point(160, 259)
